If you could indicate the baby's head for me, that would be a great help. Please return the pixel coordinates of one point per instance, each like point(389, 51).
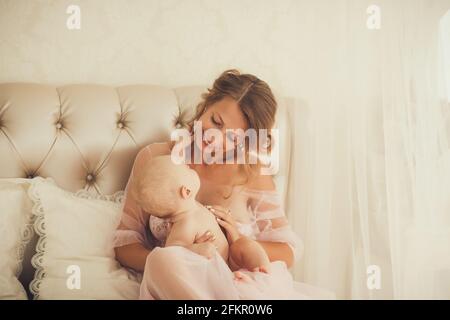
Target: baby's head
point(164, 188)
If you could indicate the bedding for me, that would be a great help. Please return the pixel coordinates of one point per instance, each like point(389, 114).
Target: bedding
point(74, 255)
point(16, 230)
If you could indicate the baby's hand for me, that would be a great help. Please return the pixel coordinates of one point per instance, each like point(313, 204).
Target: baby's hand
point(206, 249)
point(204, 245)
point(208, 236)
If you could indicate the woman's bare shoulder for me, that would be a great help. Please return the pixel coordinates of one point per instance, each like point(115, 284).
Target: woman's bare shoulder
point(260, 187)
point(261, 183)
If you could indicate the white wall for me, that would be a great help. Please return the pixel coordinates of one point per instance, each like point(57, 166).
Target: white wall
point(445, 33)
point(161, 41)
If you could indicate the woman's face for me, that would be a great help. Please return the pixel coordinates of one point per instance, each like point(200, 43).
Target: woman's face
point(222, 115)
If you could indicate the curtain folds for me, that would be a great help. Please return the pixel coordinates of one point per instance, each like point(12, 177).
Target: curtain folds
point(371, 155)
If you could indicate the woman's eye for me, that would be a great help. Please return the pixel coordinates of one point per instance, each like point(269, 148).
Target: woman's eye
point(216, 123)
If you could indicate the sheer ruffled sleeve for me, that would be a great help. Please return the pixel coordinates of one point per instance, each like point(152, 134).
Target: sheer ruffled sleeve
point(134, 221)
point(270, 220)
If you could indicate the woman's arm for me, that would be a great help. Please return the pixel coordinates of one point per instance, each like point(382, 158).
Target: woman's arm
point(132, 256)
point(278, 251)
point(129, 240)
point(275, 250)
point(275, 236)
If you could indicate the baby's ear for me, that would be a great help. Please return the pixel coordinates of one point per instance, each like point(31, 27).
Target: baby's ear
point(185, 192)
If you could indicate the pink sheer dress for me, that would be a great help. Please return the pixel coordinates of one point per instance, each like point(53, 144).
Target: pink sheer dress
point(178, 273)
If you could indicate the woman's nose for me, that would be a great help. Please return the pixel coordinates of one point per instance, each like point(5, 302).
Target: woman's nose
point(207, 140)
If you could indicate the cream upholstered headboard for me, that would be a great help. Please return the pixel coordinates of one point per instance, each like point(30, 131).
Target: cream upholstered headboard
point(87, 135)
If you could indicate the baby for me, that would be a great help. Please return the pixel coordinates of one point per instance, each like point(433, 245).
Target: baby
point(167, 190)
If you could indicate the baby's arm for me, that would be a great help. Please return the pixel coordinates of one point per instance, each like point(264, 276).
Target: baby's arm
point(247, 254)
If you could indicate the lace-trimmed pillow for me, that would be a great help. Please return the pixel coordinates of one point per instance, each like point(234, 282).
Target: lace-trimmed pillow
point(16, 230)
point(75, 255)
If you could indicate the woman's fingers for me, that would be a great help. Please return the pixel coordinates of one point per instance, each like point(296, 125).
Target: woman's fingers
point(220, 212)
point(240, 276)
point(232, 232)
point(264, 269)
point(226, 221)
point(227, 226)
point(217, 208)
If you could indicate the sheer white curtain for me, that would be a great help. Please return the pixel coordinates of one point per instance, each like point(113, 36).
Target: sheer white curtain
point(371, 162)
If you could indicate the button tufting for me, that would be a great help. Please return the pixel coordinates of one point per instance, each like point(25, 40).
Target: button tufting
point(30, 176)
point(120, 125)
point(58, 125)
point(89, 177)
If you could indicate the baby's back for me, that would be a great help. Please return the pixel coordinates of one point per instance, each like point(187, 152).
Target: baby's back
point(206, 221)
point(185, 229)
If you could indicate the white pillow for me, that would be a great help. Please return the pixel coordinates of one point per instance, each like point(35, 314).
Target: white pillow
point(76, 245)
point(16, 230)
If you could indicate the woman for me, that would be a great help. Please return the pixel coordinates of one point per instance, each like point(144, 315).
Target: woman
point(245, 202)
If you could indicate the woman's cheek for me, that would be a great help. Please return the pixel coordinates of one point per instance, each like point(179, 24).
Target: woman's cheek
point(228, 146)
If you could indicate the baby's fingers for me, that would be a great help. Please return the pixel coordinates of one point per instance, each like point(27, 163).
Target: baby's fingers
point(261, 269)
point(207, 236)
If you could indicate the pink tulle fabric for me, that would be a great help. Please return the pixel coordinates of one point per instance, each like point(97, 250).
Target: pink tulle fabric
point(178, 273)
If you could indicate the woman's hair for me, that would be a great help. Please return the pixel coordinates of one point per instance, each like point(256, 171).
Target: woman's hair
point(254, 98)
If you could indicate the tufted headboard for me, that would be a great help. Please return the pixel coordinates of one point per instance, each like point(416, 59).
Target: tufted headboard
point(86, 135)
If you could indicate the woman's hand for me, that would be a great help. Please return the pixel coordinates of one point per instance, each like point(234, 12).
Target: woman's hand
point(226, 220)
